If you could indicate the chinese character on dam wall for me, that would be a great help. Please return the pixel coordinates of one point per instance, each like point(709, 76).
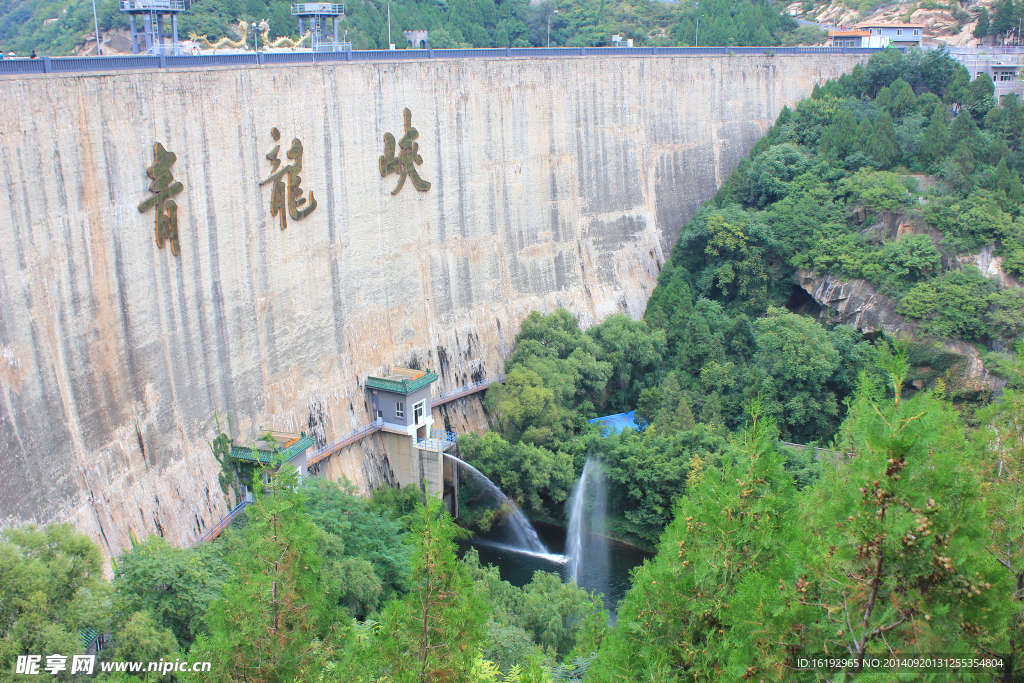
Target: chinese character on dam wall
point(287, 195)
point(164, 186)
point(403, 163)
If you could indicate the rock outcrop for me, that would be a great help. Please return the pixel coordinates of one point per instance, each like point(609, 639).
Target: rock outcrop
point(856, 302)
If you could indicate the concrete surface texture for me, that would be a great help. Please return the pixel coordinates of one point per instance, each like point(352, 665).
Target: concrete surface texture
point(558, 182)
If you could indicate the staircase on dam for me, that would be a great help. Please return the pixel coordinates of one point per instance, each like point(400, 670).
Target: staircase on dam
point(423, 455)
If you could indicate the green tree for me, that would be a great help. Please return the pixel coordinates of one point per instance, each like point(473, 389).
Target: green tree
point(877, 190)
point(690, 613)
point(769, 174)
point(362, 548)
point(883, 100)
point(952, 305)
point(895, 555)
point(981, 29)
point(141, 638)
point(522, 402)
point(865, 131)
point(173, 586)
point(798, 360)
point(936, 137)
point(729, 249)
point(435, 632)
point(840, 139)
point(882, 144)
point(634, 351)
point(277, 601)
point(51, 587)
point(528, 474)
point(904, 100)
point(1003, 471)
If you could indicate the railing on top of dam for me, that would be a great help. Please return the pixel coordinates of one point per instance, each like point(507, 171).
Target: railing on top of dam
point(67, 65)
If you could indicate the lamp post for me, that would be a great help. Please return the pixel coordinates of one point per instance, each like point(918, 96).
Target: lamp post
point(549, 26)
point(696, 31)
point(96, 23)
point(255, 38)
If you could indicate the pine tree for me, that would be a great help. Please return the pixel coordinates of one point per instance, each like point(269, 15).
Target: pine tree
point(1003, 470)
point(956, 91)
point(864, 131)
point(434, 634)
point(904, 101)
point(1015, 192)
point(840, 139)
point(275, 605)
point(884, 99)
point(897, 561)
point(882, 145)
point(982, 27)
point(936, 137)
point(1004, 18)
point(693, 613)
point(964, 132)
point(1002, 177)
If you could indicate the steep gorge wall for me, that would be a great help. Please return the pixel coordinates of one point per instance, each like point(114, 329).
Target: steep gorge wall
point(560, 182)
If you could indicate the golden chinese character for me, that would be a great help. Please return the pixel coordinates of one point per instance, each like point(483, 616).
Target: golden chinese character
point(403, 163)
point(165, 187)
point(287, 195)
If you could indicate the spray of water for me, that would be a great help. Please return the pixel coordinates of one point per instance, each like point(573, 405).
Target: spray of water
point(586, 542)
point(526, 538)
point(554, 558)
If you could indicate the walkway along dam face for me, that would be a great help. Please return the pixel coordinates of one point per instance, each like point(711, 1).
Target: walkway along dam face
point(161, 256)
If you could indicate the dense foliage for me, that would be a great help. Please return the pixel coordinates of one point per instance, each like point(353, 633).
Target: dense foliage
point(58, 27)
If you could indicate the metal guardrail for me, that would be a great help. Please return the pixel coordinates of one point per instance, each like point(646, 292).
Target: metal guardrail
point(340, 46)
point(152, 5)
point(447, 396)
point(347, 440)
point(214, 531)
point(439, 441)
point(135, 62)
point(310, 8)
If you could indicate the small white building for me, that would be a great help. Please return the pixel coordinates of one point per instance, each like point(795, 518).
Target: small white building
point(898, 35)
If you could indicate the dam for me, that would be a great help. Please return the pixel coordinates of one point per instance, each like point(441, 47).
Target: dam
point(142, 295)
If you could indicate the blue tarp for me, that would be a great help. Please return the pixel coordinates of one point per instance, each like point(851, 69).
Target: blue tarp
point(613, 424)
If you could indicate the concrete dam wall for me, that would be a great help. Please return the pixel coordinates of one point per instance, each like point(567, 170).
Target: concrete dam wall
point(560, 182)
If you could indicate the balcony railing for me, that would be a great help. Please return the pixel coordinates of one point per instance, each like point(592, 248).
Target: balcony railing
point(152, 5)
point(439, 441)
point(309, 8)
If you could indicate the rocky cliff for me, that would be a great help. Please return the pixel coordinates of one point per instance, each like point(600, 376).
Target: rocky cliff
point(554, 182)
point(857, 303)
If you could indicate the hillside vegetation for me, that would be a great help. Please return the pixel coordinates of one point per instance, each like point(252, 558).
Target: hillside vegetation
point(452, 23)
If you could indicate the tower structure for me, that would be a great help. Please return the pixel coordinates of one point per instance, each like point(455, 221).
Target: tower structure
point(147, 25)
point(317, 14)
point(402, 401)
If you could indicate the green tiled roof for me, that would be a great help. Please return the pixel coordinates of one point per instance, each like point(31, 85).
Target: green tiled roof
point(87, 636)
point(264, 457)
point(405, 386)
